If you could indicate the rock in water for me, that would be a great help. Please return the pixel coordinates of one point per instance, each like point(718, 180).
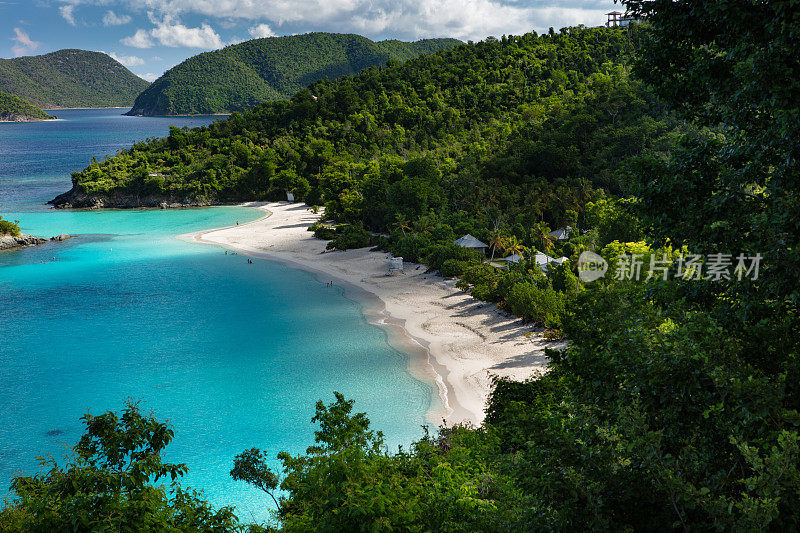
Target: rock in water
point(10, 241)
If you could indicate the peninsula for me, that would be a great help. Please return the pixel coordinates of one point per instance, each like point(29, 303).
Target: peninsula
point(15, 109)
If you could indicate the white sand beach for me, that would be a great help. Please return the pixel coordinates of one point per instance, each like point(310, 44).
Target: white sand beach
point(456, 341)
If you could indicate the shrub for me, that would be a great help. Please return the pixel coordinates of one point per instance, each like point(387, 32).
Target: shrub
point(351, 237)
point(321, 231)
point(484, 279)
point(9, 228)
point(439, 255)
point(410, 247)
point(453, 268)
point(544, 306)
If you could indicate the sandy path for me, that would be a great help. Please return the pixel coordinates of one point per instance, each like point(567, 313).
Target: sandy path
point(456, 341)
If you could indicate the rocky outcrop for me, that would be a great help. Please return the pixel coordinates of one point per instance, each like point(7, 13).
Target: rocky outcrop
point(21, 118)
point(78, 199)
point(8, 242)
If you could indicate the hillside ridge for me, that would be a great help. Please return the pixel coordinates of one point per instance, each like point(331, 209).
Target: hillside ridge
point(241, 76)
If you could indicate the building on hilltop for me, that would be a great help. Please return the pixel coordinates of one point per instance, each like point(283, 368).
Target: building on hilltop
point(616, 19)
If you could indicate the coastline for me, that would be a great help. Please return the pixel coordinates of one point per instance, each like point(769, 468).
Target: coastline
point(454, 341)
point(78, 108)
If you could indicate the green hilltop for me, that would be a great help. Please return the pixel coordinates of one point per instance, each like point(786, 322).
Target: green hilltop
point(15, 109)
point(242, 76)
point(70, 78)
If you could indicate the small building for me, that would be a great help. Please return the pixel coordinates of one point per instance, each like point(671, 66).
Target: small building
point(468, 241)
point(617, 19)
point(516, 258)
point(541, 260)
point(561, 234)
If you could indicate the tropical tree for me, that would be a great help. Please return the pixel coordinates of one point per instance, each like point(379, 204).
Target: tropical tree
point(109, 484)
point(498, 240)
point(540, 233)
point(512, 246)
point(401, 223)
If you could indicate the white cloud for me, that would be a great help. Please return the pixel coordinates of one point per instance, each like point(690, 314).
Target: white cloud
point(112, 19)
point(128, 61)
point(406, 19)
point(25, 45)
point(67, 13)
point(149, 76)
point(177, 35)
point(140, 39)
point(402, 19)
point(261, 30)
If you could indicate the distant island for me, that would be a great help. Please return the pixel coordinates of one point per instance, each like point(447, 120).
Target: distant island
point(15, 109)
point(239, 77)
point(70, 78)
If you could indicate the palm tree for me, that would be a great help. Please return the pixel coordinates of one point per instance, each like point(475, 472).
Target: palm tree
point(402, 224)
point(541, 233)
point(424, 224)
point(513, 246)
point(498, 241)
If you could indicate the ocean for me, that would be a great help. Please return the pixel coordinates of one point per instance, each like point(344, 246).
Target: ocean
point(234, 355)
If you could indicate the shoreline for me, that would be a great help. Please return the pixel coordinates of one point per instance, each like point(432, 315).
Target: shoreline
point(79, 108)
point(455, 342)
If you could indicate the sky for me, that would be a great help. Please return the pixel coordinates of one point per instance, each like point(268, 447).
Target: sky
point(151, 36)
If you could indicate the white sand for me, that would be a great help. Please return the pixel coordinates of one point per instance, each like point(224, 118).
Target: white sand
point(455, 340)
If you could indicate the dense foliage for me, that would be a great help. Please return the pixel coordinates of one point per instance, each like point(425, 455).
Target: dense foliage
point(240, 77)
point(110, 483)
point(13, 108)
point(70, 78)
point(9, 228)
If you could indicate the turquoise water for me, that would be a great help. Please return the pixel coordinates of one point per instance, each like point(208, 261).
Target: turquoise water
point(233, 354)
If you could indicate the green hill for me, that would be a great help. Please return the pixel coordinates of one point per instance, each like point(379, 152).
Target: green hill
point(70, 78)
point(15, 109)
point(528, 116)
point(242, 76)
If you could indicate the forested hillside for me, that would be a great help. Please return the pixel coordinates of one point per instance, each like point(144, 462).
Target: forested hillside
point(241, 76)
point(677, 403)
point(70, 78)
point(14, 109)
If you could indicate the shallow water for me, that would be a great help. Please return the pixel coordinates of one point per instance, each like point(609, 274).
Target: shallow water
point(233, 354)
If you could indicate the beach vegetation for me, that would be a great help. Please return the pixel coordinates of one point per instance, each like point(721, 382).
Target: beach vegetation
point(8, 227)
point(349, 236)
